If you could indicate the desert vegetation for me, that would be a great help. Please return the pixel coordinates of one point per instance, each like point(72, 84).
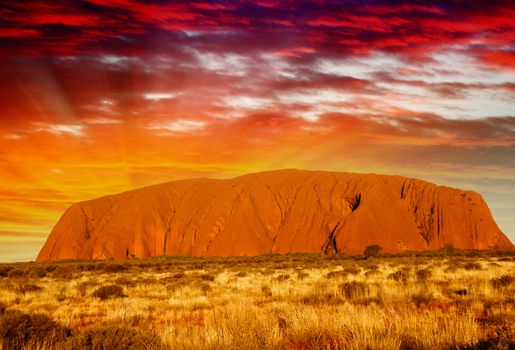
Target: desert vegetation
point(432, 300)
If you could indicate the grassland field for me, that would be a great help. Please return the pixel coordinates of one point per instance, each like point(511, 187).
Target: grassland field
point(433, 300)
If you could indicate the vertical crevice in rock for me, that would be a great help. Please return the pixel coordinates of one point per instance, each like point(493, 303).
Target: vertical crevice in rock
point(167, 233)
point(354, 202)
point(404, 188)
point(87, 233)
point(330, 247)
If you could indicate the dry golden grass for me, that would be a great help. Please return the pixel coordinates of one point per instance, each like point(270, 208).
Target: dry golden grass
point(420, 301)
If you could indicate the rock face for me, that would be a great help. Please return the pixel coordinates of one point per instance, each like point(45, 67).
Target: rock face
point(275, 212)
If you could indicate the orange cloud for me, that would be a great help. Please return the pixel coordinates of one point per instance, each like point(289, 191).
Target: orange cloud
point(104, 96)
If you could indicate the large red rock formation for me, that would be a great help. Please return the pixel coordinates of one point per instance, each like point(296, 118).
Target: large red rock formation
point(275, 212)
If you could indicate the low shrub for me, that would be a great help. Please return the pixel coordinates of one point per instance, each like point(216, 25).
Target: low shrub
point(499, 331)
point(372, 273)
point(424, 274)
point(372, 250)
point(336, 274)
point(422, 298)
point(321, 298)
point(18, 330)
point(125, 281)
point(501, 282)
point(112, 337)
point(371, 267)
point(267, 291)
point(148, 281)
point(36, 272)
point(111, 268)
point(207, 277)
point(109, 291)
point(409, 342)
point(451, 269)
point(203, 286)
point(4, 270)
point(28, 287)
point(2, 307)
point(283, 277)
point(461, 292)
point(472, 266)
point(62, 295)
point(353, 290)
point(63, 272)
point(179, 275)
point(399, 276)
point(352, 270)
point(16, 272)
point(302, 275)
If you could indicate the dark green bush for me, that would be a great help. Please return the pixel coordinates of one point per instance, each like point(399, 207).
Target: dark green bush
point(109, 291)
point(372, 250)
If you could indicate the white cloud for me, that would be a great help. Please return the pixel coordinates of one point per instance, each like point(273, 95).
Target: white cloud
point(227, 64)
point(310, 116)
point(313, 96)
point(13, 136)
point(460, 68)
point(117, 60)
point(277, 65)
point(61, 129)
point(408, 92)
point(102, 121)
point(359, 68)
point(107, 102)
point(178, 126)
point(157, 96)
point(247, 102)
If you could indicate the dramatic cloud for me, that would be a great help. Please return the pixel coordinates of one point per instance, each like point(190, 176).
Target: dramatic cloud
point(104, 96)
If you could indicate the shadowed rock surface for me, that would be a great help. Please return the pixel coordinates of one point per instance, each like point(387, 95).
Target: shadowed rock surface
point(280, 211)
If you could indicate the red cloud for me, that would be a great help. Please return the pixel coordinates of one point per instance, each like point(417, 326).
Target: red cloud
point(65, 18)
point(505, 59)
point(17, 32)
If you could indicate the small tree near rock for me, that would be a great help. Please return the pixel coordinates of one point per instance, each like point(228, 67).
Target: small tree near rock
point(372, 250)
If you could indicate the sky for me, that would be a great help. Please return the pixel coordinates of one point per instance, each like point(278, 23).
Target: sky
point(99, 97)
